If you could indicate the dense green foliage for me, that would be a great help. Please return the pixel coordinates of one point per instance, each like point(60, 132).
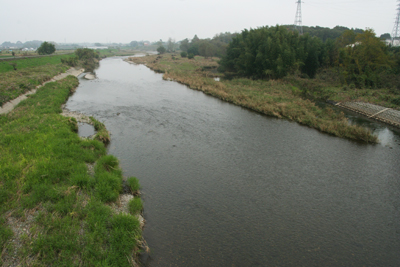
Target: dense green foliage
point(273, 52)
point(358, 59)
point(87, 58)
point(46, 49)
point(215, 47)
point(364, 60)
point(86, 53)
point(44, 177)
point(325, 33)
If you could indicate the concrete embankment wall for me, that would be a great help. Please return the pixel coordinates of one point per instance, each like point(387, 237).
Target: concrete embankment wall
point(379, 113)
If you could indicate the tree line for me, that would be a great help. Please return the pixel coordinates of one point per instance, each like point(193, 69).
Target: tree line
point(358, 57)
point(215, 47)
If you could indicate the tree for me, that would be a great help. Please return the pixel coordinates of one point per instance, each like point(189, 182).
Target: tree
point(206, 48)
point(366, 60)
point(195, 39)
point(46, 48)
point(161, 49)
point(134, 44)
point(171, 45)
point(347, 38)
point(185, 45)
point(385, 36)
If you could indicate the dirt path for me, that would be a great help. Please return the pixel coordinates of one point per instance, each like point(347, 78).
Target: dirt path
point(7, 107)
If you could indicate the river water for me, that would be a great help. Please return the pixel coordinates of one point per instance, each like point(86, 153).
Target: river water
point(224, 186)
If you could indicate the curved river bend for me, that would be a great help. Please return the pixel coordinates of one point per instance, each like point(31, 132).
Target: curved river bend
point(223, 186)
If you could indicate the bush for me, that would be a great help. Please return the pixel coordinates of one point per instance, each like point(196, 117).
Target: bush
point(191, 56)
point(86, 53)
point(135, 205)
point(183, 54)
point(161, 50)
point(46, 49)
point(71, 61)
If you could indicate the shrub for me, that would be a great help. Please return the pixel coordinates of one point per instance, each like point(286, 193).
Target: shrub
point(161, 50)
point(183, 54)
point(71, 61)
point(191, 56)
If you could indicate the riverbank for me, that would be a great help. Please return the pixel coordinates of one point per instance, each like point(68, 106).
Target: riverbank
point(60, 194)
point(7, 107)
point(275, 98)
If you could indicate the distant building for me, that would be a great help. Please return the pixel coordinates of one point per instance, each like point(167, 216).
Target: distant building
point(28, 49)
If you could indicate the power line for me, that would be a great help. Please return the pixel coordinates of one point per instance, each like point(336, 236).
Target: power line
point(298, 21)
point(396, 28)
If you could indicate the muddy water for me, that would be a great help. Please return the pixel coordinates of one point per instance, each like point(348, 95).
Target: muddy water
point(223, 186)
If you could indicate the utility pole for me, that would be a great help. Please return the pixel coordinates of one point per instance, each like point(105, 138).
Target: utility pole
point(298, 23)
point(396, 28)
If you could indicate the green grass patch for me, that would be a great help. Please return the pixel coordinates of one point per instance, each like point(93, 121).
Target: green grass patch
point(15, 83)
point(44, 173)
point(133, 184)
point(31, 62)
point(135, 205)
point(102, 134)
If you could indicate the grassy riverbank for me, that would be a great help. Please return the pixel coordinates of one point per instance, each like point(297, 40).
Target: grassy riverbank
point(276, 98)
point(30, 73)
point(52, 209)
point(20, 76)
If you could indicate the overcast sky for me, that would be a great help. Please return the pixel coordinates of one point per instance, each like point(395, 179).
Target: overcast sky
point(122, 21)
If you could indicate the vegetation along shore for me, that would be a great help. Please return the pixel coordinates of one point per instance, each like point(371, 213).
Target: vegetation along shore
point(276, 98)
point(62, 198)
point(280, 73)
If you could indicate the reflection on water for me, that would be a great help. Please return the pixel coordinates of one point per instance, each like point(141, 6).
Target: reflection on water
point(223, 186)
point(85, 130)
point(387, 135)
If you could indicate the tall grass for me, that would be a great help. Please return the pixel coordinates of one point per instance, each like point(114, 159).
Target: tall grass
point(44, 175)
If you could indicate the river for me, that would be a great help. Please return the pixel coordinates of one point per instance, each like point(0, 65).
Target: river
point(224, 186)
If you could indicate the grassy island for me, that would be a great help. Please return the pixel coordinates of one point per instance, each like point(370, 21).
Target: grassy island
point(281, 98)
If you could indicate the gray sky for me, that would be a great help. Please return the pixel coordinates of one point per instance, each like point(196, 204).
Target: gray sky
point(122, 21)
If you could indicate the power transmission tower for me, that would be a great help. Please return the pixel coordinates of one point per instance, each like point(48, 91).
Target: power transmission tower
point(396, 28)
point(298, 22)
